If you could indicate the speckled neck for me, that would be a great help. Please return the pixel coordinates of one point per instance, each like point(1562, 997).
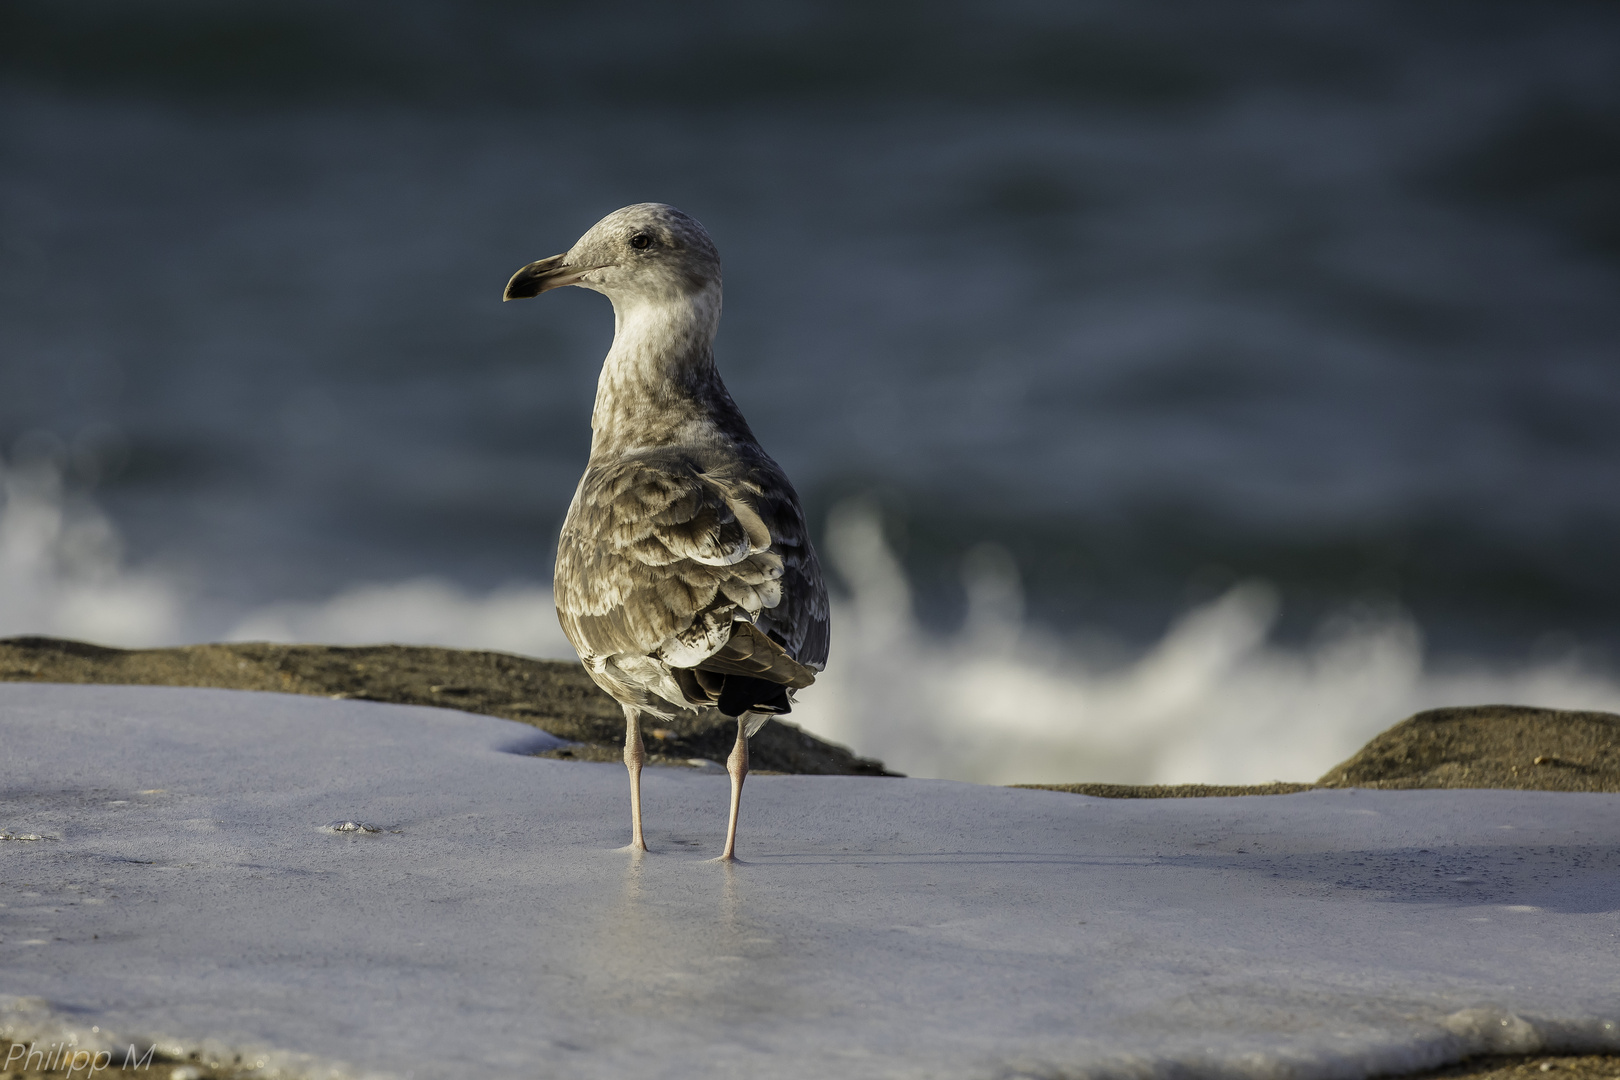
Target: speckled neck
point(659, 385)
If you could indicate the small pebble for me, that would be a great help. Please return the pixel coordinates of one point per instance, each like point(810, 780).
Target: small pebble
point(350, 826)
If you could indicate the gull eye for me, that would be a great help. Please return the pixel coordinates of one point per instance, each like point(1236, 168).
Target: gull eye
point(641, 241)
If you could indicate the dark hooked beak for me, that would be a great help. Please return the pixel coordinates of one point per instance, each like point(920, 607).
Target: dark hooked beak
point(537, 277)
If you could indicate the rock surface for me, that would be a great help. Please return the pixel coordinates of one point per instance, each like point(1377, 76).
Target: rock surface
point(180, 873)
point(1486, 1067)
point(553, 695)
point(1495, 746)
point(1490, 746)
point(1170, 791)
point(1472, 746)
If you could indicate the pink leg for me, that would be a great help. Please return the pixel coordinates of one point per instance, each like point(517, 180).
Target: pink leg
point(737, 766)
point(634, 756)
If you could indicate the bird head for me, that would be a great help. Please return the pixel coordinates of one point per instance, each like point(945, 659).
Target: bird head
point(645, 252)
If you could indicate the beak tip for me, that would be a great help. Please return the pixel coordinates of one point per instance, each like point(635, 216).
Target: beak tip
point(537, 277)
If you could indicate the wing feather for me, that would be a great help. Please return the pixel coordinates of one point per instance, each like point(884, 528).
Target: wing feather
point(663, 560)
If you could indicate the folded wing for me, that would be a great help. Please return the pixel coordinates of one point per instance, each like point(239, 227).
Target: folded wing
point(673, 578)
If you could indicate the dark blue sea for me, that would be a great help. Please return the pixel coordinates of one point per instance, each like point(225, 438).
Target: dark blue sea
point(1179, 391)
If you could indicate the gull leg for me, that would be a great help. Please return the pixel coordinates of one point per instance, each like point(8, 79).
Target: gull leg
point(634, 756)
point(737, 766)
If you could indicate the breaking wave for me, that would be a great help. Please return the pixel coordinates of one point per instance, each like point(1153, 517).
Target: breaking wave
point(519, 618)
point(998, 701)
point(1214, 701)
point(62, 573)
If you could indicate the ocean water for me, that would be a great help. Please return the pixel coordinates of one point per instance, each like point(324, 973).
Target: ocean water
point(1177, 394)
point(999, 700)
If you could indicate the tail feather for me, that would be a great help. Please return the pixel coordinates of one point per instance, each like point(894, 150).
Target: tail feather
point(750, 674)
point(750, 652)
point(743, 693)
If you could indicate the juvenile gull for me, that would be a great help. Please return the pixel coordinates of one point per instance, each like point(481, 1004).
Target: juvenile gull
point(685, 577)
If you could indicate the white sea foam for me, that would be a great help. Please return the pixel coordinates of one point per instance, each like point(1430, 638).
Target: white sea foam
point(62, 573)
point(998, 701)
point(1213, 702)
point(518, 617)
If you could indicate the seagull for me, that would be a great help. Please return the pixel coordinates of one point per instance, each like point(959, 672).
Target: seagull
point(685, 576)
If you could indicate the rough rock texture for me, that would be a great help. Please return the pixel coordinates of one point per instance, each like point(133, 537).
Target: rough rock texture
point(553, 695)
point(1491, 1067)
point(1170, 791)
point(1533, 1067)
point(1472, 746)
point(1490, 746)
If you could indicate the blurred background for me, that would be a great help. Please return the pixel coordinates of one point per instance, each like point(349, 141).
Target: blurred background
point(1179, 392)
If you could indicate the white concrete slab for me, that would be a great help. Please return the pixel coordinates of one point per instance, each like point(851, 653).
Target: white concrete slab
point(187, 891)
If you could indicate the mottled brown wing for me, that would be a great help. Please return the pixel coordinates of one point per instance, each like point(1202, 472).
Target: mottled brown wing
point(656, 558)
point(800, 620)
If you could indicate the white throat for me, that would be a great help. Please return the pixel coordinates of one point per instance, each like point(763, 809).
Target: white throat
point(659, 344)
